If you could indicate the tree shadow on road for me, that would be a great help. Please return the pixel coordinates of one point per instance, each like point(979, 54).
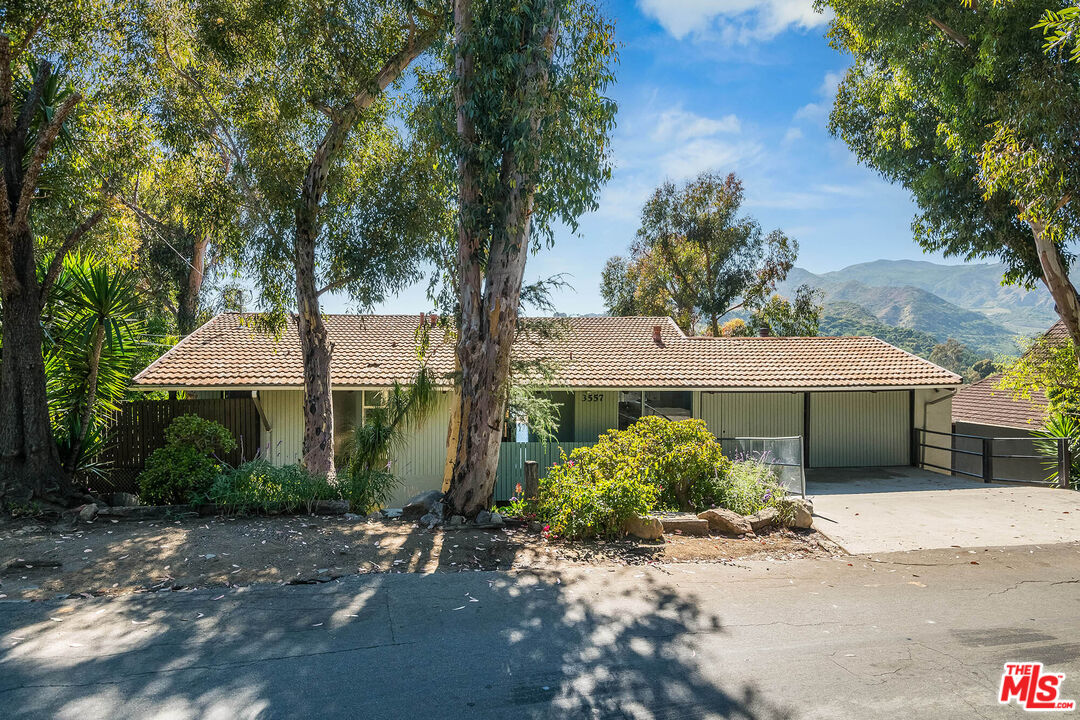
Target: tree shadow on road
point(586, 643)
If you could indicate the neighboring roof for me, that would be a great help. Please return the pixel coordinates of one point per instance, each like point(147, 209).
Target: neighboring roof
point(983, 404)
point(598, 352)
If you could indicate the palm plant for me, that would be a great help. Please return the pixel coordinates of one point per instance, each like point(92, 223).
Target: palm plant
point(97, 320)
point(1059, 425)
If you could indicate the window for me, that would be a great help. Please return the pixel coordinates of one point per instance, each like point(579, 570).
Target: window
point(670, 404)
point(629, 408)
point(673, 405)
point(372, 399)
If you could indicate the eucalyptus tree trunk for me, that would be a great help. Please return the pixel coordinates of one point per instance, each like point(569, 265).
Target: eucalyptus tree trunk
point(489, 293)
point(187, 304)
point(315, 349)
point(1056, 278)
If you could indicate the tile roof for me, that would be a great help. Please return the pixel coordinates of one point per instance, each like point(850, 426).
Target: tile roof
point(983, 404)
point(375, 350)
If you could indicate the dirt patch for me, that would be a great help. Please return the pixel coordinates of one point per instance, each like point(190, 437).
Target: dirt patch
point(111, 557)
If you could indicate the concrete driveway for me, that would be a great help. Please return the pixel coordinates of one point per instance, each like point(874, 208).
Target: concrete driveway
point(874, 510)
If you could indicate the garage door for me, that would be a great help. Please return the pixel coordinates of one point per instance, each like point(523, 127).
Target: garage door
point(859, 429)
point(731, 415)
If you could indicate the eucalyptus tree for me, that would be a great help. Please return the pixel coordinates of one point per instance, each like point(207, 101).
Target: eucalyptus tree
point(531, 137)
point(67, 130)
point(300, 96)
point(962, 105)
point(696, 257)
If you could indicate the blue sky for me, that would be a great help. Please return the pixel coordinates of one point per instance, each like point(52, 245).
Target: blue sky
point(731, 85)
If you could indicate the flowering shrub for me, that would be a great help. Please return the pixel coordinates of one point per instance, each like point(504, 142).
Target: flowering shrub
point(584, 500)
point(656, 464)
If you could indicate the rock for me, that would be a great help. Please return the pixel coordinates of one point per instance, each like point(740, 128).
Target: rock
point(392, 513)
point(725, 521)
point(536, 527)
point(456, 520)
point(331, 507)
point(645, 527)
point(685, 523)
point(766, 517)
point(483, 517)
point(352, 516)
point(802, 511)
point(496, 519)
point(421, 505)
point(429, 520)
point(375, 516)
point(438, 510)
point(209, 556)
point(124, 499)
point(88, 513)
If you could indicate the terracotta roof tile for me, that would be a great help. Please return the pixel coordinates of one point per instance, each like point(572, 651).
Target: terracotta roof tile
point(984, 404)
point(375, 350)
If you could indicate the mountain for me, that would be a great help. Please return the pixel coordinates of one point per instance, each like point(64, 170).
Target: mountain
point(975, 287)
point(908, 307)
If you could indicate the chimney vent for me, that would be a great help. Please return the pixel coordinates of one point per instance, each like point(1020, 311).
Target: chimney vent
point(764, 331)
point(434, 319)
point(423, 319)
point(656, 334)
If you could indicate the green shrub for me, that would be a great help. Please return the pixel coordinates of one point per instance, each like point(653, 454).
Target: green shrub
point(682, 458)
point(581, 499)
point(205, 436)
point(656, 464)
point(367, 490)
point(258, 486)
point(176, 474)
point(185, 468)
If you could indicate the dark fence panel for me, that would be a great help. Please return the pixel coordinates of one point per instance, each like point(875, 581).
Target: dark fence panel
point(138, 429)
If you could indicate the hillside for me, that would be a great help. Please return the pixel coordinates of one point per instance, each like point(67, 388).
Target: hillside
point(975, 287)
point(911, 308)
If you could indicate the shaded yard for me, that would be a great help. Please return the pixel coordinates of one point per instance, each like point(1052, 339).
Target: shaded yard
point(109, 557)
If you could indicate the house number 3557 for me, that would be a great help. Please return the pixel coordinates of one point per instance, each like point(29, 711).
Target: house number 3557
point(592, 397)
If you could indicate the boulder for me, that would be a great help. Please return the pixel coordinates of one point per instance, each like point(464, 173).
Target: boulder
point(88, 513)
point(766, 517)
point(685, 523)
point(331, 507)
point(124, 499)
point(430, 520)
point(391, 513)
point(496, 519)
point(725, 521)
point(645, 527)
point(483, 517)
point(456, 520)
point(801, 511)
point(421, 504)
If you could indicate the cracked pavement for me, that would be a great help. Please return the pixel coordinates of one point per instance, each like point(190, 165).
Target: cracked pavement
point(922, 634)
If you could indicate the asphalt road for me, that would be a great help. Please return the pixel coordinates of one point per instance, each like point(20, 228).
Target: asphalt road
point(919, 635)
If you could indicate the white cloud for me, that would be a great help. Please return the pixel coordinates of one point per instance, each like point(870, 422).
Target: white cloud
point(679, 125)
point(816, 112)
point(792, 134)
point(736, 20)
point(810, 111)
point(702, 154)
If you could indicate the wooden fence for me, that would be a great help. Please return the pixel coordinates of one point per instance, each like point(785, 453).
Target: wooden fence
point(138, 429)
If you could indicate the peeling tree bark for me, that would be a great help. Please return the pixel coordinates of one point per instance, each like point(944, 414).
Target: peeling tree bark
point(489, 293)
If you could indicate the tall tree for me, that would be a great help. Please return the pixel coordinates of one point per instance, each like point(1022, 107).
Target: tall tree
point(531, 136)
point(58, 149)
point(961, 105)
point(695, 257)
point(336, 198)
point(798, 317)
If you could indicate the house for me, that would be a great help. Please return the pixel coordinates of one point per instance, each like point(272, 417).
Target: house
point(855, 401)
point(980, 410)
